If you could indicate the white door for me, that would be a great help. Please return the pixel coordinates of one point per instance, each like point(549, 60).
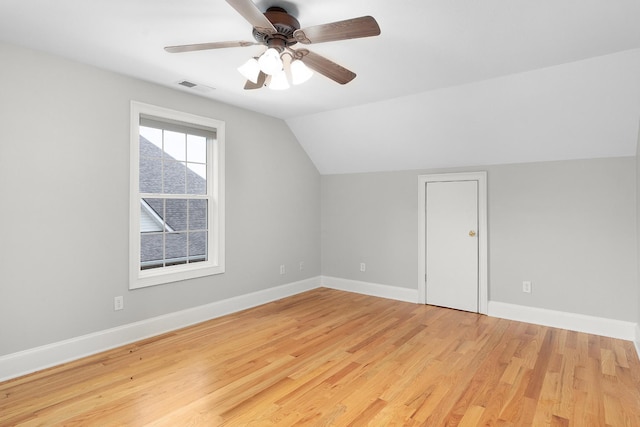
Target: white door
point(451, 227)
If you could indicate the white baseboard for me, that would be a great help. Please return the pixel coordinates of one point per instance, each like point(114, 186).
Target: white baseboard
point(373, 289)
point(31, 360)
point(637, 340)
point(572, 321)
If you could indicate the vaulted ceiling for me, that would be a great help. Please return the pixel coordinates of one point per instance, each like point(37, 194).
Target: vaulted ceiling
point(447, 83)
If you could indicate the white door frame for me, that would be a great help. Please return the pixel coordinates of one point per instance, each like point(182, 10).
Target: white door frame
point(481, 177)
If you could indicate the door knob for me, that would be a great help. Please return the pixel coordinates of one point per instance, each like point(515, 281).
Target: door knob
point(472, 233)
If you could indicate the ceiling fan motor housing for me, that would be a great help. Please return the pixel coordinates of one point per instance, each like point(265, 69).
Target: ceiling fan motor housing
point(284, 24)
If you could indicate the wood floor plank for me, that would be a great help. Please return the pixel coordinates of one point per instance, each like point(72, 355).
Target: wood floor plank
point(327, 357)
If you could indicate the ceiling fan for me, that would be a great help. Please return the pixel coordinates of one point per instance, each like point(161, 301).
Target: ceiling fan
point(279, 31)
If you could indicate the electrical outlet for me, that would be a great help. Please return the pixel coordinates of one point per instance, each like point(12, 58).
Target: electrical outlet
point(118, 303)
point(301, 265)
point(282, 270)
point(363, 266)
point(526, 286)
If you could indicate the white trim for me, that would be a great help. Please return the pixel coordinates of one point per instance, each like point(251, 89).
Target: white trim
point(481, 177)
point(38, 358)
point(559, 319)
point(637, 340)
point(34, 359)
point(154, 216)
point(372, 289)
point(215, 264)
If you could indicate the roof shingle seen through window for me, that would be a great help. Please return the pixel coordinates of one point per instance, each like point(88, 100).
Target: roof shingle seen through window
point(187, 218)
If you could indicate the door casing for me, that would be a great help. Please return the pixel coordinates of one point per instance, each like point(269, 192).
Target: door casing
point(481, 178)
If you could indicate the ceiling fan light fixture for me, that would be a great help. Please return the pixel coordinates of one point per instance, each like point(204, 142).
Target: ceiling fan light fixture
point(270, 62)
point(250, 70)
point(279, 81)
point(300, 73)
point(278, 31)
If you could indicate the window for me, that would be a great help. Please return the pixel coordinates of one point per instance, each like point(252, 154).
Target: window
point(177, 196)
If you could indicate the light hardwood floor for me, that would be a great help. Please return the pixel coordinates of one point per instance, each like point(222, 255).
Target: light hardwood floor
point(327, 357)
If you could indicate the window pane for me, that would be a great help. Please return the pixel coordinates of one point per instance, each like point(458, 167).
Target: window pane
point(175, 248)
point(156, 209)
point(175, 145)
point(196, 149)
point(154, 136)
point(176, 214)
point(174, 177)
point(198, 246)
point(196, 178)
point(149, 220)
point(150, 174)
point(151, 250)
point(197, 214)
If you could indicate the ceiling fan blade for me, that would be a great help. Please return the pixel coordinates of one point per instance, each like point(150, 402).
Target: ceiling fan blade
point(262, 77)
point(206, 46)
point(251, 13)
point(365, 26)
point(328, 68)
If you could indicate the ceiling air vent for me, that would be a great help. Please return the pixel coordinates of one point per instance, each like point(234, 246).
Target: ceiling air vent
point(195, 86)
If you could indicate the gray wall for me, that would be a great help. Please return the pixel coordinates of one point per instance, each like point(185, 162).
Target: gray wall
point(569, 227)
point(371, 218)
point(64, 181)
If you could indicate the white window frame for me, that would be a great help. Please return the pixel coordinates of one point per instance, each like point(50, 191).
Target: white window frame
point(215, 263)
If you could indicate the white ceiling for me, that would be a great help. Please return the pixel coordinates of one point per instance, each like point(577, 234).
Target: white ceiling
point(447, 83)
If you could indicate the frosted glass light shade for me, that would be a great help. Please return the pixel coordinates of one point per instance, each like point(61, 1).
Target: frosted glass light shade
point(300, 73)
point(279, 81)
point(270, 62)
point(250, 70)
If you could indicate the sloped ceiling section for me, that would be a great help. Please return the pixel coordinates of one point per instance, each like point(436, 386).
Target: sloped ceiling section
point(583, 109)
point(446, 83)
